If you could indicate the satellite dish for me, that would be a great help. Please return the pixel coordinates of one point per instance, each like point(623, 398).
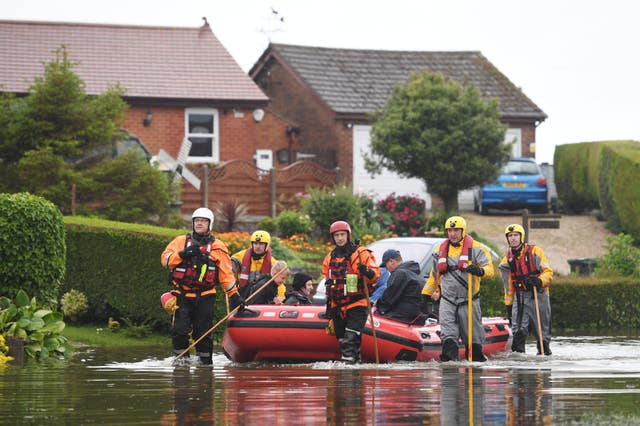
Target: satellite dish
point(168, 163)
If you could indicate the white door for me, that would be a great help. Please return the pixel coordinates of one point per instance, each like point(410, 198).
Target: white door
point(384, 183)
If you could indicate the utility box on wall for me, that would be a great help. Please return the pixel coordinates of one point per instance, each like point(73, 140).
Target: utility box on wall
point(264, 159)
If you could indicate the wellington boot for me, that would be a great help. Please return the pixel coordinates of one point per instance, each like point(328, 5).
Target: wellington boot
point(476, 353)
point(519, 339)
point(449, 351)
point(545, 346)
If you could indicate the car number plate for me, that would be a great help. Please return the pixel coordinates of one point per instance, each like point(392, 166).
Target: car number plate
point(514, 184)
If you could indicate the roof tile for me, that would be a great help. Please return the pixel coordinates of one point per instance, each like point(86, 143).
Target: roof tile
point(157, 62)
point(360, 81)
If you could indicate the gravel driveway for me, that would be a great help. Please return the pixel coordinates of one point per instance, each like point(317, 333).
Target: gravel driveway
point(578, 236)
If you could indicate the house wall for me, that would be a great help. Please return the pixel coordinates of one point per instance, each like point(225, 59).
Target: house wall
point(294, 102)
point(240, 135)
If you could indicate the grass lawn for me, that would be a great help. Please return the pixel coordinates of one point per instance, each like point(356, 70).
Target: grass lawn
point(96, 336)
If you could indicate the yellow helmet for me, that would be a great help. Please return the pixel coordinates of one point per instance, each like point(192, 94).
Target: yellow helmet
point(261, 237)
point(456, 222)
point(514, 227)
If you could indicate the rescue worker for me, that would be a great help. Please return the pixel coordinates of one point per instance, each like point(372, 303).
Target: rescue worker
point(302, 287)
point(526, 269)
point(347, 269)
point(459, 262)
point(198, 261)
point(254, 264)
point(402, 298)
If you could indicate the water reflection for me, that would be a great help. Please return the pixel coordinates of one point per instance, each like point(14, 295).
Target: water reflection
point(586, 381)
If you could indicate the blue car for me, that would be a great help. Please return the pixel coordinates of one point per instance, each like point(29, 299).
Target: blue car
point(520, 185)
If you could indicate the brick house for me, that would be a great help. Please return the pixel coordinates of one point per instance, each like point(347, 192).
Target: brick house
point(180, 82)
point(330, 92)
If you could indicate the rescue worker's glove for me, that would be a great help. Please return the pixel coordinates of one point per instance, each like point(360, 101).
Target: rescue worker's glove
point(509, 309)
point(330, 329)
point(366, 271)
point(475, 270)
point(189, 252)
point(236, 301)
point(532, 281)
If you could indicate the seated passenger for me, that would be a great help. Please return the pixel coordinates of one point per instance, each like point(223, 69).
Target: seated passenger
point(381, 285)
point(302, 288)
point(269, 294)
point(402, 298)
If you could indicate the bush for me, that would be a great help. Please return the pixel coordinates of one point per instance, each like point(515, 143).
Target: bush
point(622, 257)
point(403, 214)
point(74, 304)
point(291, 222)
point(327, 205)
point(32, 247)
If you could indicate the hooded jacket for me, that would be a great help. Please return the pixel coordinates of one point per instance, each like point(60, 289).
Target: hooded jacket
point(402, 298)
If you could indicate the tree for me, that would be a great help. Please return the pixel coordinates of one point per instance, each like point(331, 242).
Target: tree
point(441, 132)
point(58, 136)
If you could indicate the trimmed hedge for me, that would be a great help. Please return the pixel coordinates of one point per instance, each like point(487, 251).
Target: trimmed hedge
point(604, 175)
point(32, 247)
point(117, 266)
point(595, 303)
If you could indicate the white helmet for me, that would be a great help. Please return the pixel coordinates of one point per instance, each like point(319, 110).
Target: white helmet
point(205, 213)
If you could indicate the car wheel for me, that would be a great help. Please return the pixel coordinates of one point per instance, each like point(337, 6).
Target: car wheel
point(482, 209)
point(476, 207)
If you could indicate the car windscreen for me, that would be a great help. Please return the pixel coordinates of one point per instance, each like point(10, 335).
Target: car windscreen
point(409, 250)
point(520, 168)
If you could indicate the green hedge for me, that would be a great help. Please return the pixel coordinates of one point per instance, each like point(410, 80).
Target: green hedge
point(117, 266)
point(595, 303)
point(32, 247)
point(604, 175)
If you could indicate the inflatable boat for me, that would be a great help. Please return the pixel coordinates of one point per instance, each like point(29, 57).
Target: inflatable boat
point(284, 333)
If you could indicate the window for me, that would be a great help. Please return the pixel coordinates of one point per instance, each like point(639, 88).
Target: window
point(201, 127)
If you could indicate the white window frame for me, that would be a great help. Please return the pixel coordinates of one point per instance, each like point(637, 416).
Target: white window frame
point(215, 136)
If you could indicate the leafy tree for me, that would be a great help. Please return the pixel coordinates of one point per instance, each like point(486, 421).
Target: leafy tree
point(438, 131)
point(57, 136)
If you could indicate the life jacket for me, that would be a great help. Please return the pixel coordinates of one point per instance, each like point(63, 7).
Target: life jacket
point(339, 267)
point(463, 260)
point(245, 270)
point(196, 275)
point(522, 266)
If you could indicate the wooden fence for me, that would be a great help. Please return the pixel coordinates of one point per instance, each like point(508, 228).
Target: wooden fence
point(265, 192)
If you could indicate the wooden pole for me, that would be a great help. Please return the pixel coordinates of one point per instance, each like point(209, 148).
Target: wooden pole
point(535, 299)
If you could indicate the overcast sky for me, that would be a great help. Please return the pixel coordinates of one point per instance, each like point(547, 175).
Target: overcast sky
point(578, 61)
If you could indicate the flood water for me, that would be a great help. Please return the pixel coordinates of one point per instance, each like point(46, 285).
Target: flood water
point(587, 380)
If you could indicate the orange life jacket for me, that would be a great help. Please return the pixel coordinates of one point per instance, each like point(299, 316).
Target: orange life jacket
point(198, 274)
point(339, 267)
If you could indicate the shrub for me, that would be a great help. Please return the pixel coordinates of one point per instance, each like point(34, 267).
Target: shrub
point(403, 214)
point(268, 224)
point(32, 247)
point(74, 304)
point(291, 222)
point(327, 205)
point(622, 257)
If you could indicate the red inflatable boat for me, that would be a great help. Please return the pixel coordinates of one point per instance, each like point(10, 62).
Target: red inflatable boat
point(297, 334)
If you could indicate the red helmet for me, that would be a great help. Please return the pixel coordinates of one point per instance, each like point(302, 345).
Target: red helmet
point(340, 225)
